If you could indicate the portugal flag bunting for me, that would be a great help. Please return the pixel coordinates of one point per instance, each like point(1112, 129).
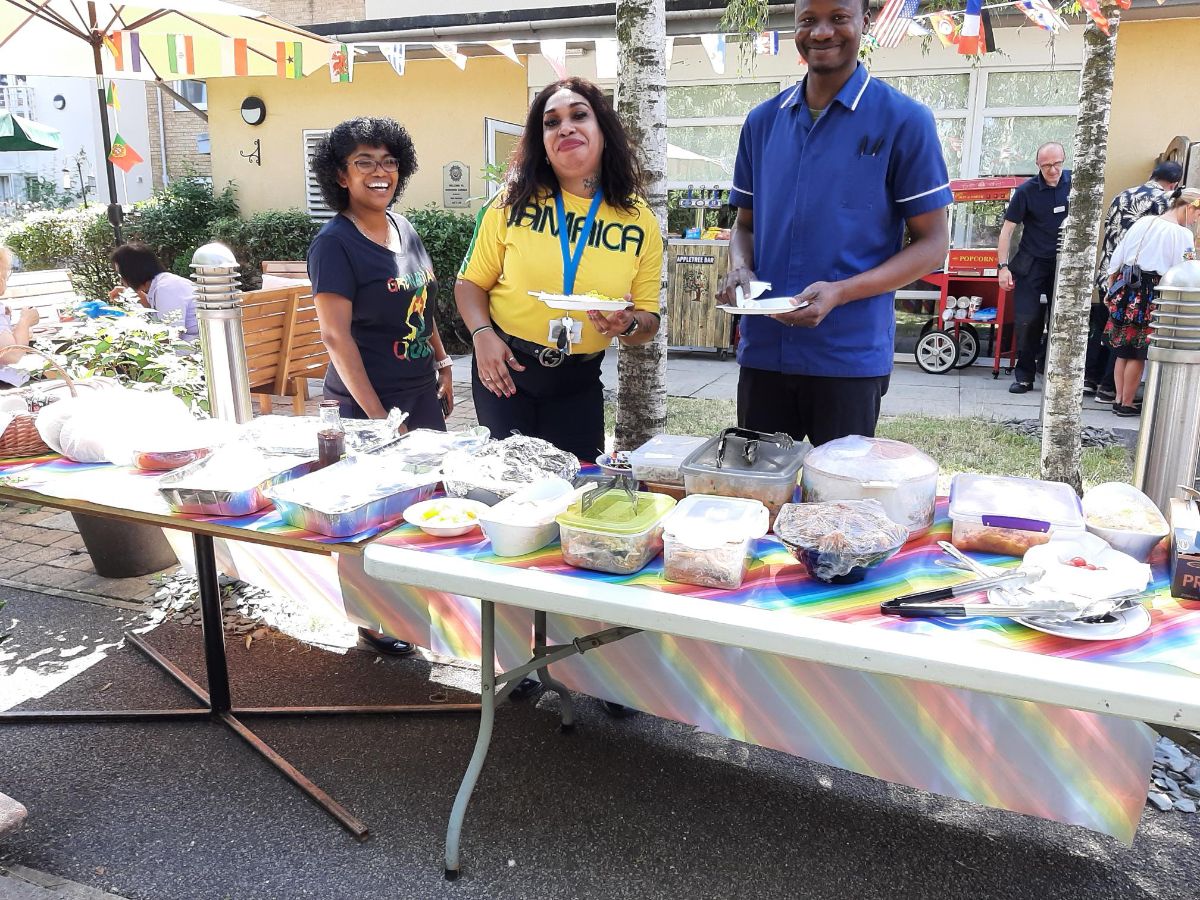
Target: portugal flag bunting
point(122, 155)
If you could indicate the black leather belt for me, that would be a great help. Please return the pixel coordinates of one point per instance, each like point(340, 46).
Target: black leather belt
point(550, 357)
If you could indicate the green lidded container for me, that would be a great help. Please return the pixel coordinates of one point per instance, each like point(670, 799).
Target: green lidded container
point(611, 535)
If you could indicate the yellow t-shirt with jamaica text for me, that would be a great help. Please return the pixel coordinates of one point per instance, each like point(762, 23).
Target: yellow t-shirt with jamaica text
point(623, 256)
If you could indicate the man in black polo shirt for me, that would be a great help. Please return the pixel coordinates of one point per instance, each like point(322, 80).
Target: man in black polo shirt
point(1040, 204)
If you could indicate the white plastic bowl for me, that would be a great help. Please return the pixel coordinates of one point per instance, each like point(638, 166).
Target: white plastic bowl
point(1138, 544)
point(414, 515)
point(543, 501)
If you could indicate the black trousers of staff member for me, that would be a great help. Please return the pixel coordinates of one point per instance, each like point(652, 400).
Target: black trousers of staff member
point(563, 405)
point(811, 407)
point(1031, 315)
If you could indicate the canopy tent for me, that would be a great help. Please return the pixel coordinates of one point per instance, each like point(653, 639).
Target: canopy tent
point(182, 39)
point(22, 134)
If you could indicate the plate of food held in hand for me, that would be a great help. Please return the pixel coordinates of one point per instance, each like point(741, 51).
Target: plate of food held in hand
point(445, 516)
point(764, 306)
point(581, 302)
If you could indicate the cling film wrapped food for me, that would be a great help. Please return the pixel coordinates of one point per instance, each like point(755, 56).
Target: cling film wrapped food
point(838, 541)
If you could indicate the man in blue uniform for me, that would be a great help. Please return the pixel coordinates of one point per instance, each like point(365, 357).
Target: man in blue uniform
point(1040, 205)
point(829, 175)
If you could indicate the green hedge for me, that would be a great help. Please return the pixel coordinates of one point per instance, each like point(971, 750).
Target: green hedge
point(273, 234)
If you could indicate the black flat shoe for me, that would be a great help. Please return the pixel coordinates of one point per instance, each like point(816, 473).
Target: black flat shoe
point(525, 689)
point(385, 643)
point(1019, 387)
point(1127, 412)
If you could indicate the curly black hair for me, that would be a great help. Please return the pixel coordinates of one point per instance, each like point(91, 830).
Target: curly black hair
point(531, 176)
point(332, 151)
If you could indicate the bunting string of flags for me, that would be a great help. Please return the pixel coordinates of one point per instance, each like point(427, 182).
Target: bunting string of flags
point(968, 31)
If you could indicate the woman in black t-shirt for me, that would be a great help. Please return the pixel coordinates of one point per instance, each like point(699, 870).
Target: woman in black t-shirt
point(374, 288)
point(373, 281)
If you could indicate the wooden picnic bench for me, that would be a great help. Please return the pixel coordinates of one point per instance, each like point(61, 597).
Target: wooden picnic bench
point(48, 291)
point(283, 340)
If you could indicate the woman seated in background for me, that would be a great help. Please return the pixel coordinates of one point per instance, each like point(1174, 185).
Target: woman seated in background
point(171, 296)
point(374, 288)
point(12, 332)
point(574, 164)
point(1151, 246)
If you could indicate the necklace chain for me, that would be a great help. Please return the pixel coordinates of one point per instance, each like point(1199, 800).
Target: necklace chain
point(362, 229)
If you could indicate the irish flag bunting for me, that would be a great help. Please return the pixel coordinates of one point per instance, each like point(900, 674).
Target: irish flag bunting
point(180, 57)
point(122, 155)
point(289, 59)
point(235, 56)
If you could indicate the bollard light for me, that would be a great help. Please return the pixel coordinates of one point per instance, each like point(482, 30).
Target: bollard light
point(222, 341)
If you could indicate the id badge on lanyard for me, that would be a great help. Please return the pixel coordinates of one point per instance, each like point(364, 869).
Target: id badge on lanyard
point(573, 332)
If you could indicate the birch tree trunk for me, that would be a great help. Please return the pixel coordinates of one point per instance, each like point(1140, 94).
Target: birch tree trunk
point(1062, 412)
point(642, 106)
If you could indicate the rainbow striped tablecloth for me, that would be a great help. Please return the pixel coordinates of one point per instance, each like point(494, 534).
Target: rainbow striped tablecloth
point(1063, 764)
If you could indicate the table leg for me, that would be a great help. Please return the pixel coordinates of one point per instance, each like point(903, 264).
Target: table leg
point(565, 705)
point(487, 717)
point(215, 665)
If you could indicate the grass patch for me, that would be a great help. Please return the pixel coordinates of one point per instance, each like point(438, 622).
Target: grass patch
point(958, 445)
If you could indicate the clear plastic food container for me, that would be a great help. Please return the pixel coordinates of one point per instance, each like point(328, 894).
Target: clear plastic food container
point(658, 460)
point(1125, 517)
point(738, 463)
point(1006, 514)
point(525, 522)
point(619, 532)
point(706, 540)
point(899, 476)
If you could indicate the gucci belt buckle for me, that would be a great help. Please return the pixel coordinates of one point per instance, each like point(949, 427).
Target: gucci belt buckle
point(550, 357)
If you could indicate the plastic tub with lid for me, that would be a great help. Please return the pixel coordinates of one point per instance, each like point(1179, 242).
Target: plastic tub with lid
point(658, 460)
point(898, 475)
point(746, 464)
point(613, 530)
point(525, 522)
point(1006, 514)
point(706, 540)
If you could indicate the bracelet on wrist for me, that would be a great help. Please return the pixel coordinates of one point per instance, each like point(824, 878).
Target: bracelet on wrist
point(443, 363)
point(481, 328)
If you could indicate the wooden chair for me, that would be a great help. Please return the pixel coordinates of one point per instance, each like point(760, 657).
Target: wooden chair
point(286, 268)
point(48, 291)
point(283, 344)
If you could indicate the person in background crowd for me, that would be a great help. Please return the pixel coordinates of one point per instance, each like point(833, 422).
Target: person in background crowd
point(1152, 245)
point(828, 176)
point(375, 291)
point(1149, 199)
point(12, 333)
point(169, 295)
point(574, 165)
point(1040, 204)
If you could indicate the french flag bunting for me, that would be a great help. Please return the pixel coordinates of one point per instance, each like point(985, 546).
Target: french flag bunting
point(968, 35)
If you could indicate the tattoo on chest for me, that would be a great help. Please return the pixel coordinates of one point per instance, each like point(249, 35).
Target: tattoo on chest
point(592, 183)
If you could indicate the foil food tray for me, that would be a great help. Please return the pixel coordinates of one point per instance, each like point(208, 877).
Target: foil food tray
point(232, 502)
point(298, 508)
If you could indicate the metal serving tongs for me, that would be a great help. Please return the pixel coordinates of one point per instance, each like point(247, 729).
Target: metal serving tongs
point(752, 440)
point(924, 605)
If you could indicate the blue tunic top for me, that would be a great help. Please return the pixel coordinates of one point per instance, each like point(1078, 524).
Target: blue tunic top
point(830, 199)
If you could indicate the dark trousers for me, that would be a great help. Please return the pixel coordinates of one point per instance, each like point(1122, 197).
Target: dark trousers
point(1101, 361)
point(563, 405)
point(420, 402)
point(809, 406)
point(1031, 315)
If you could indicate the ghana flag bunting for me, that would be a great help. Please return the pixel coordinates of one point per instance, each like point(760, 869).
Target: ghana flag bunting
point(122, 155)
point(289, 59)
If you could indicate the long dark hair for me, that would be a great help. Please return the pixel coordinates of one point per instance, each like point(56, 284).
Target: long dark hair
point(531, 176)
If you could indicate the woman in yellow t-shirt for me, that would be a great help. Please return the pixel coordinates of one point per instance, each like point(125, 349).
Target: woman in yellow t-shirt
point(574, 164)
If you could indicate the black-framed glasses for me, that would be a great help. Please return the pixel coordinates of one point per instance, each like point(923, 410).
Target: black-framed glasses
point(1053, 165)
point(366, 165)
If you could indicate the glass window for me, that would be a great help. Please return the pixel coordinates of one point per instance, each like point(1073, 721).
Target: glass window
point(195, 92)
point(701, 154)
point(1010, 142)
point(951, 132)
point(935, 91)
point(702, 101)
point(1008, 89)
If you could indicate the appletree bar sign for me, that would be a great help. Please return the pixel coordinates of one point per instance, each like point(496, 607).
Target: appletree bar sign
point(456, 185)
point(696, 260)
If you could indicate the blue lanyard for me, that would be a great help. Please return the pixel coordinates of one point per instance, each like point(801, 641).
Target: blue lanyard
point(571, 261)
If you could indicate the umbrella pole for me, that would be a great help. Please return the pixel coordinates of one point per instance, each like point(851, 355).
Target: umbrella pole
point(114, 208)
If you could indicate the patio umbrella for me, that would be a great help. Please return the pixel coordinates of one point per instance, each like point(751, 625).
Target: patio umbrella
point(21, 134)
point(174, 40)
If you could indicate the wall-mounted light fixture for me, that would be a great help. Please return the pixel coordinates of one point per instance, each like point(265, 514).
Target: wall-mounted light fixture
point(254, 111)
point(59, 101)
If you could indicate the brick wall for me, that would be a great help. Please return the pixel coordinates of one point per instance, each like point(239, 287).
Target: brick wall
point(182, 126)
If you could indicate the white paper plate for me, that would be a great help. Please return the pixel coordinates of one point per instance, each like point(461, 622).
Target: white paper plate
point(1128, 623)
point(766, 306)
point(414, 515)
point(580, 302)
